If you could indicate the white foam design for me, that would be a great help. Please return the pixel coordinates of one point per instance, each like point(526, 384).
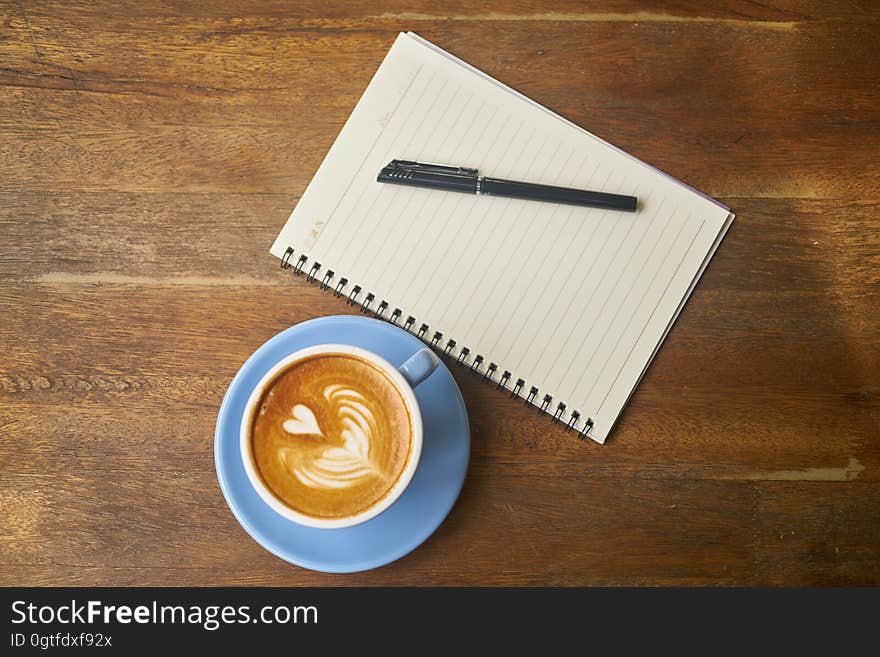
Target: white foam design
point(303, 421)
point(345, 460)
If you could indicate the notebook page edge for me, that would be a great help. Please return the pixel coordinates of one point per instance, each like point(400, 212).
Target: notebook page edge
point(718, 239)
point(354, 135)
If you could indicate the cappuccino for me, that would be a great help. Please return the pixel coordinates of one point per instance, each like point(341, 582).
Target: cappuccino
point(331, 435)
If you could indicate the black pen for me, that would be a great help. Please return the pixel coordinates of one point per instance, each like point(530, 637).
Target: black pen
point(462, 179)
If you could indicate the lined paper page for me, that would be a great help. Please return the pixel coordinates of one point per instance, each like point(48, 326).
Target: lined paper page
point(574, 301)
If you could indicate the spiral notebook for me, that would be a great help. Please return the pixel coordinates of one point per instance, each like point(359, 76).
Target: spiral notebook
point(560, 305)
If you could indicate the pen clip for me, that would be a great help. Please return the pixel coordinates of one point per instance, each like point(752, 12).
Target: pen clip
point(428, 167)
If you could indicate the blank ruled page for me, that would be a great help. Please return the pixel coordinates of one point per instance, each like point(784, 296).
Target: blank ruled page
point(574, 301)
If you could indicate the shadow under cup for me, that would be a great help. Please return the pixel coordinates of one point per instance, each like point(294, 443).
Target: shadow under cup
point(340, 461)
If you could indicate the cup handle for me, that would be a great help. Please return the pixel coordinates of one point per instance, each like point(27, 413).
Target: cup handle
point(419, 366)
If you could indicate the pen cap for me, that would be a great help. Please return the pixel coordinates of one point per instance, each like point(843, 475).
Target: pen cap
point(453, 179)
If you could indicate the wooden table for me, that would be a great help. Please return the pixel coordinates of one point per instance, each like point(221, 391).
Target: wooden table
point(151, 152)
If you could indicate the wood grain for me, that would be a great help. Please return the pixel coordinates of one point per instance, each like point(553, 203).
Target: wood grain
point(152, 151)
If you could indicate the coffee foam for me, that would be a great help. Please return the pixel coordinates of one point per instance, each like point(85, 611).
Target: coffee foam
point(331, 435)
point(335, 467)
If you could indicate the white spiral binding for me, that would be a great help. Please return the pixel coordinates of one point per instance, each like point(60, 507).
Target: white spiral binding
point(301, 266)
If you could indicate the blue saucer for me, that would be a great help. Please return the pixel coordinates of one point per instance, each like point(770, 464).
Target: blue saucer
point(405, 524)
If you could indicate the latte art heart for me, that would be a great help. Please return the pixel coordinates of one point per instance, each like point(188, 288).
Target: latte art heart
point(302, 421)
point(331, 435)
